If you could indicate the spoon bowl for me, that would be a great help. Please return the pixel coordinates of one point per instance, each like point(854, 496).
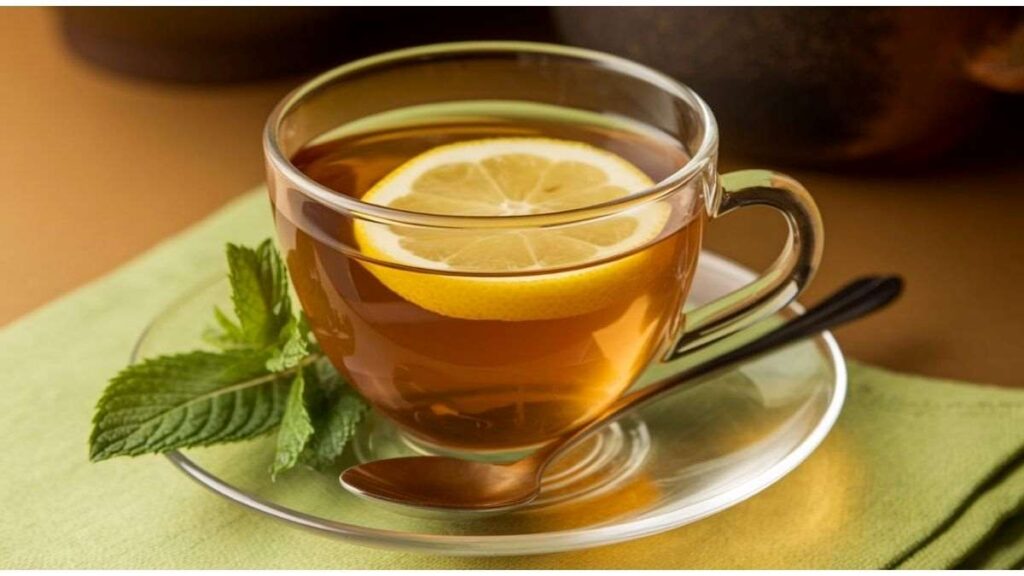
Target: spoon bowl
point(445, 482)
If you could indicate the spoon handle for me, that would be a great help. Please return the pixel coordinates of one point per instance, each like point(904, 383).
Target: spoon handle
point(856, 299)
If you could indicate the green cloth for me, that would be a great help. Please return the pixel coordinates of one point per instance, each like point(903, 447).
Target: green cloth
point(917, 473)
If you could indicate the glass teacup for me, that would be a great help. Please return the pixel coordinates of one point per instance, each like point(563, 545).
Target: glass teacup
point(488, 331)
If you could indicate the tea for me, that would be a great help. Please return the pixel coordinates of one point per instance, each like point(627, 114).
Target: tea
point(471, 381)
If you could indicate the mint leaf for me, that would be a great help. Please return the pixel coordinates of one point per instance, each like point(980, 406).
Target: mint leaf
point(227, 335)
point(337, 412)
point(259, 290)
point(295, 430)
point(295, 348)
point(186, 400)
point(334, 429)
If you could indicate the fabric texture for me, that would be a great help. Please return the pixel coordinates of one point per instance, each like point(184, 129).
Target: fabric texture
point(917, 473)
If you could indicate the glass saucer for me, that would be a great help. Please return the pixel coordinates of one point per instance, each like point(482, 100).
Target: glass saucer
point(697, 452)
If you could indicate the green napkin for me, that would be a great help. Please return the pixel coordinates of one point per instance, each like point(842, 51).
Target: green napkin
point(917, 473)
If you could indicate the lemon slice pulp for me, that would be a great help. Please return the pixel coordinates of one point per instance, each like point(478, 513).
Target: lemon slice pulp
point(506, 177)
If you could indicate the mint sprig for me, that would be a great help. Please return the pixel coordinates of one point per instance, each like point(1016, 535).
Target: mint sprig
point(267, 373)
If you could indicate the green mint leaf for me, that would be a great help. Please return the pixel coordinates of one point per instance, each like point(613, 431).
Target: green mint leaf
point(295, 429)
point(337, 411)
point(259, 290)
point(295, 348)
point(185, 400)
point(227, 335)
point(334, 429)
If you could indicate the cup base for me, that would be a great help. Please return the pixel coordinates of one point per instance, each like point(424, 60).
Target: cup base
point(596, 466)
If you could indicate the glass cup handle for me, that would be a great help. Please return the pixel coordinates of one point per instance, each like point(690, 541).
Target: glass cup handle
point(783, 280)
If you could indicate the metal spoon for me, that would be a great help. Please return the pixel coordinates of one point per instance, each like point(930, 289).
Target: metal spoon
point(436, 482)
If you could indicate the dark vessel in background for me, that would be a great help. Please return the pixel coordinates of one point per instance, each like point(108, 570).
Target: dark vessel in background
point(829, 87)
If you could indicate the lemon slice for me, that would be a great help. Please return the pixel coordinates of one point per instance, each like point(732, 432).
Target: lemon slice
point(505, 177)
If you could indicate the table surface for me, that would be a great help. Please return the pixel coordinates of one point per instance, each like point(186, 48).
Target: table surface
point(98, 168)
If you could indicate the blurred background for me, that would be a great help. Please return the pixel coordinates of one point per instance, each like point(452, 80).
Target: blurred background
point(122, 126)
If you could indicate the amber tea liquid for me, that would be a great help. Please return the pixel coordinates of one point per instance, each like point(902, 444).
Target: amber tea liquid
point(479, 385)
